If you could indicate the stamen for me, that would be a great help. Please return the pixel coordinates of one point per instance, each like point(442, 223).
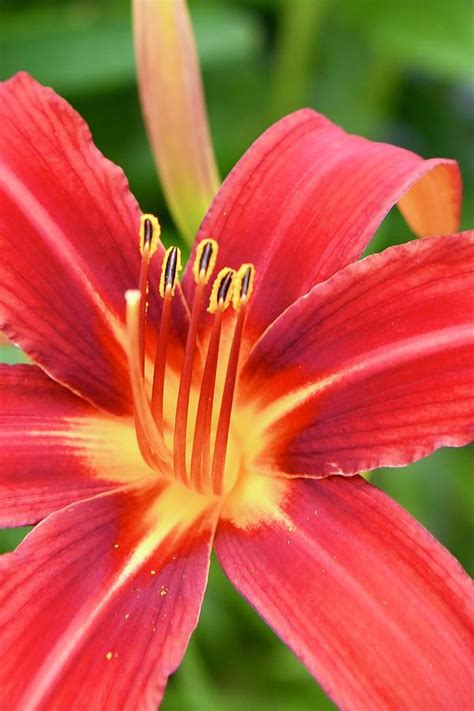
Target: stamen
point(205, 260)
point(200, 460)
point(150, 440)
point(242, 292)
point(243, 285)
point(204, 263)
point(169, 277)
point(150, 232)
point(221, 293)
point(149, 239)
point(170, 270)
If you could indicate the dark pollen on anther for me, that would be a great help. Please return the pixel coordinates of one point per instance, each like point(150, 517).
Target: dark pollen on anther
point(147, 231)
point(205, 257)
point(224, 287)
point(245, 283)
point(171, 266)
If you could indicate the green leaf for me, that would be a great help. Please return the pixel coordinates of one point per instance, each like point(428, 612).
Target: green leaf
point(436, 36)
point(11, 354)
point(225, 35)
point(12, 537)
point(73, 48)
point(85, 48)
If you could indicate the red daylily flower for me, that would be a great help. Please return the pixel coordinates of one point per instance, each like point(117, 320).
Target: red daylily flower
point(261, 414)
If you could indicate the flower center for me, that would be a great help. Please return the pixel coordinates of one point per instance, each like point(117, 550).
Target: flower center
point(192, 446)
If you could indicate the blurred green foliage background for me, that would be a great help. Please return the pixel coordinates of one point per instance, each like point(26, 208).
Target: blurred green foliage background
point(394, 70)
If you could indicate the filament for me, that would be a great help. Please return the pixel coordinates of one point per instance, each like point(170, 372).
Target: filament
point(143, 289)
point(149, 238)
point(202, 430)
point(241, 294)
point(222, 434)
point(200, 459)
point(157, 393)
point(169, 277)
point(203, 266)
point(182, 407)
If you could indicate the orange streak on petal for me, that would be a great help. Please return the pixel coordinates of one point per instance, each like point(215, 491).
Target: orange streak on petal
point(432, 205)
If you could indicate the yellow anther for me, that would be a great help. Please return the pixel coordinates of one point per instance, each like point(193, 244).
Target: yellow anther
point(150, 232)
point(205, 260)
point(222, 288)
point(169, 271)
point(243, 285)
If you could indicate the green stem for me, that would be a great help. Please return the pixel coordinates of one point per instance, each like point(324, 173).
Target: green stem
point(300, 21)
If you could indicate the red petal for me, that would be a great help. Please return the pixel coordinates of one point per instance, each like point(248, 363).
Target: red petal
point(69, 244)
point(376, 608)
point(375, 365)
point(56, 448)
point(101, 599)
point(306, 199)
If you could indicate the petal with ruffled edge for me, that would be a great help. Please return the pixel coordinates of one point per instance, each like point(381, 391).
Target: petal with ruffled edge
point(373, 368)
point(56, 448)
point(101, 599)
point(376, 608)
point(68, 246)
point(306, 199)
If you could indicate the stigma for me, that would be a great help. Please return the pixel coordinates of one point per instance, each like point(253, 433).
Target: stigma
point(188, 440)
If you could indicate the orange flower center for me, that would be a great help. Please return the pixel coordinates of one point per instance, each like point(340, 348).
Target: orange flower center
point(183, 429)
